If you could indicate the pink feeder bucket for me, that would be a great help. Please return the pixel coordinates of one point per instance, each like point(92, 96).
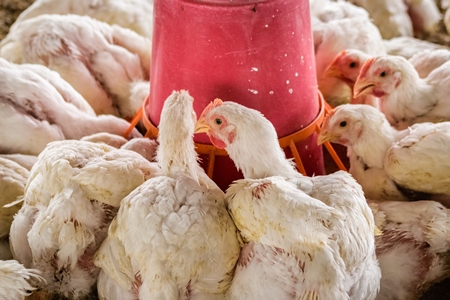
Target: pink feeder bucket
point(257, 53)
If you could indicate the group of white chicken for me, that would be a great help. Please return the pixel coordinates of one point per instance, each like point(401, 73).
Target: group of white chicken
point(87, 213)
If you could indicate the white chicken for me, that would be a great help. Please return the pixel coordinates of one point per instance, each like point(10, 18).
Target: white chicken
point(397, 18)
point(334, 35)
point(72, 194)
point(26, 161)
point(424, 14)
point(408, 46)
point(33, 113)
point(405, 98)
point(132, 14)
point(390, 16)
point(336, 10)
point(13, 178)
point(346, 66)
point(410, 164)
point(307, 237)
point(102, 62)
point(427, 60)
point(110, 139)
point(14, 171)
point(316, 6)
point(67, 92)
point(144, 146)
point(172, 237)
point(16, 282)
point(413, 249)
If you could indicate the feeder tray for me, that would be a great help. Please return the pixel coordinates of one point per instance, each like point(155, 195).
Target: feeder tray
point(285, 142)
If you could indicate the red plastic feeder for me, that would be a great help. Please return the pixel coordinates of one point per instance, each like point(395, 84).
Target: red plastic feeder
point(257, 53)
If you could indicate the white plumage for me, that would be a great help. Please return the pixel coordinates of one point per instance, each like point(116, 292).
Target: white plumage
point(72, 194)
point(424, 15)
point(172, 237)
point(33, 113)
point(413, 250)
point(67, 92)
point(107, 138)
point(348, 63)
point(407, 46)
point(405, 98)
point(13, 178)
point(102, 62)
point(288, 249)
point(391, 164)
point(390, 16)
point(144, 146)
point(295, 226)
point(427, 60)
point(16, 282)
point(26, 161)
point(132, 14)
point(419, 158)
point(339, 26)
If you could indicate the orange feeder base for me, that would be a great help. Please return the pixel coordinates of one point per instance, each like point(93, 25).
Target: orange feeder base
point(287, 142)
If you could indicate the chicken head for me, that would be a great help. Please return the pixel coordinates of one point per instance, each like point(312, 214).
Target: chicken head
point(216, 126)
point(380, 76)
point(346, 65)
point(345, 124)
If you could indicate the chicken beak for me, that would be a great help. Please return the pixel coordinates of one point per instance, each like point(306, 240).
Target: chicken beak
point(362, 87)
point(200, 126)
point(324, 136)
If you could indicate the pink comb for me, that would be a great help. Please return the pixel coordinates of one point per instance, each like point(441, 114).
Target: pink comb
point(365, 67)
point(211, 105)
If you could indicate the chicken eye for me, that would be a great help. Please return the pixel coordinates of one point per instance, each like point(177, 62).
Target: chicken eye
point(343, 124)
point(218, 121)
point(352, 65)
point(383, 74)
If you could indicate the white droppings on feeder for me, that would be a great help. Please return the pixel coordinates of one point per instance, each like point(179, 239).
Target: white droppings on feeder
point(285, 54)
point(287, 81)
point(253, 91)
point(291, 91)
point(271, 92)
point(296, 74)
point(254, 69)
point(266, 25)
